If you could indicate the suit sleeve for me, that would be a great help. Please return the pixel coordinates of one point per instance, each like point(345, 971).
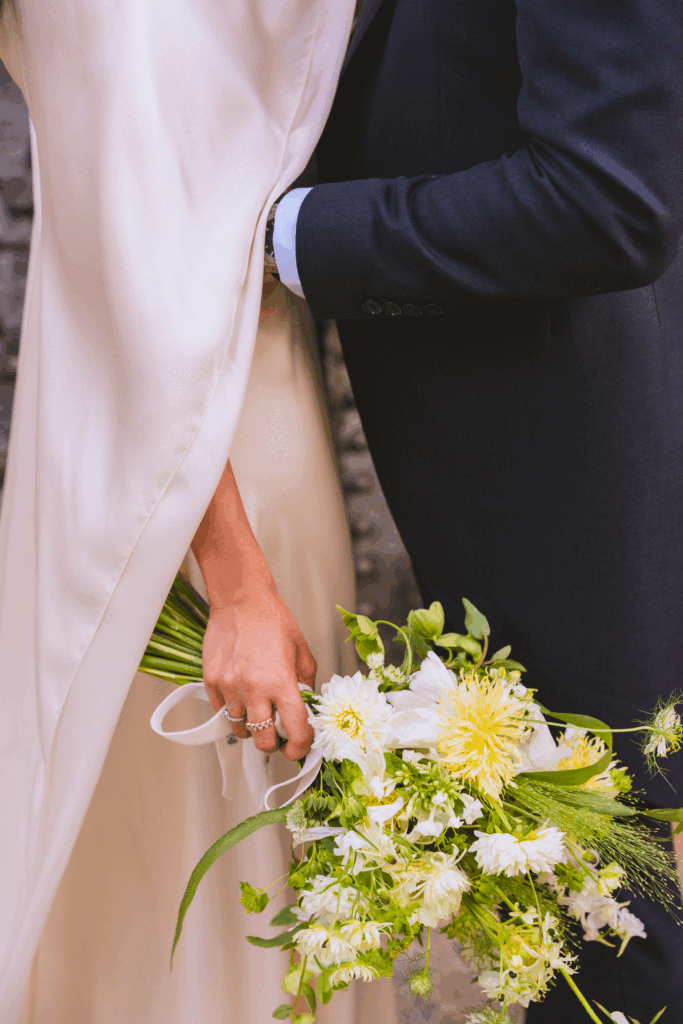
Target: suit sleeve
point(592, 203)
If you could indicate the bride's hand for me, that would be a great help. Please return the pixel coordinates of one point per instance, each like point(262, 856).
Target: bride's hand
point(254, 657)
point(254, 654)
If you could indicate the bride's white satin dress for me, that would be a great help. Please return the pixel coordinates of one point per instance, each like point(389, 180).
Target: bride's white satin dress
point(104, 951)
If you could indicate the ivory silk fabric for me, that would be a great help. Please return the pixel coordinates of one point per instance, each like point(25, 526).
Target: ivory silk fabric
point(162, 131)
point(103, 954)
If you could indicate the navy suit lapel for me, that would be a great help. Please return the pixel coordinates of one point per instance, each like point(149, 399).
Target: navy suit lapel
point(369, 11)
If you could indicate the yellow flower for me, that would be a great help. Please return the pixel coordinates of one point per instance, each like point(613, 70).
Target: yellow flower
point(587, 750)
point(482, 722)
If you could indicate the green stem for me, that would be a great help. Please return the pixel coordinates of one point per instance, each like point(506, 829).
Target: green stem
point(383, 622)
point(580, 996)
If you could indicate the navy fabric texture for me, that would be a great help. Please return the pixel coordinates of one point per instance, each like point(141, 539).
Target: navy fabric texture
point(496, 231)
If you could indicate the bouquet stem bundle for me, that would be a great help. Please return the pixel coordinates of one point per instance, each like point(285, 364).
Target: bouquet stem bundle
point(448, 798)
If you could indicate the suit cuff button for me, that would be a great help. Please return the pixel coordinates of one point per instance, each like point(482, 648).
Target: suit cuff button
point(392, 309)
point(372, 308)
point(431, 309)
point(411, 309)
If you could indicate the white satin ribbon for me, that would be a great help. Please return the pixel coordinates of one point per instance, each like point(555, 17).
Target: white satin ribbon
point(216, 730)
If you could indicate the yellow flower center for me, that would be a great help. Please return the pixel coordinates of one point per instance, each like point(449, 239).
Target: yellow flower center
point(349, 722)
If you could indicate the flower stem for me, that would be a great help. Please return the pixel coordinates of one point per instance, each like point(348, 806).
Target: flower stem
point(580, 996)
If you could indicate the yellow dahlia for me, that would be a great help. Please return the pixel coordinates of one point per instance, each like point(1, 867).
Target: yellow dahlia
point(482, 722)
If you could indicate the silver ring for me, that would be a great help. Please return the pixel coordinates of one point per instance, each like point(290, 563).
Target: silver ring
point(231, 719)
point(257, 726)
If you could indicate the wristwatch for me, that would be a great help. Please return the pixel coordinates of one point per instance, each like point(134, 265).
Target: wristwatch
point(270, 262)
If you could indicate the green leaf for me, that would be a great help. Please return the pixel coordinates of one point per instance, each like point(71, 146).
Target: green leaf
point(285, 916)
point(668, 814)
point(593, 725)
point(226, 842)
point(309, 995)
point(253, 900)
point(656, 1016)
point(595, 802)
point(427, 623)
point(502, 654)
point(283, 1012)
point(514, 666)
point(574, 776)
point(457, 640)
point(278, 940)
point(475, 623)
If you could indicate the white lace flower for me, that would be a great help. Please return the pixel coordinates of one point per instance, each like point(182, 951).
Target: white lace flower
point(500, 853)
point(351, 722)
point(325, 901)
point(326, 945)
point(363, 935)
point(353, 972)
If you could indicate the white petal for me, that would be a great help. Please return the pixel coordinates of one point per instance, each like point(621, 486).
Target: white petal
point(383, 812)
point(416, 728)
point(403, 700)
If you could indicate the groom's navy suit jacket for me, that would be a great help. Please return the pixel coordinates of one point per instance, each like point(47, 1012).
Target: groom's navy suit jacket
point(496, 234)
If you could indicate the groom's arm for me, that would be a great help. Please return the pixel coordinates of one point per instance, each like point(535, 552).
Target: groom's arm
point(592, 204)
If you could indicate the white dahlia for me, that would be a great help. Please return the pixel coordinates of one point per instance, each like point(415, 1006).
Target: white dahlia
point(351, 722)
point(500, 853)
point(363, 935)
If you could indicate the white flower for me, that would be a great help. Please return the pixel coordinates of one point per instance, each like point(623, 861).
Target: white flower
point(372, 847)
point(472, 809)
point(352, 722)
point(501, 853)
point(610, 878)
point(540, 752)
point(326, 945)
point(351, 972)
point(618, 1017)
point(436, 884)
point(375, 660)
point(363, 935)
point(325, 901)
point(628, 927)
point(665, 732)
point(380, 813)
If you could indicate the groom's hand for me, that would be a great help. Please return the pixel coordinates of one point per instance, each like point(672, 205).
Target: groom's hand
point(254, 657)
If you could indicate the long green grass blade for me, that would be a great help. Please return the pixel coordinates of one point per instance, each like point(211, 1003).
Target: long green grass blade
point(158, 648)
point(230, 839)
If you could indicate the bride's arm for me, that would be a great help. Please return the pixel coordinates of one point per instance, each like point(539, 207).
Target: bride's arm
point(254, 652)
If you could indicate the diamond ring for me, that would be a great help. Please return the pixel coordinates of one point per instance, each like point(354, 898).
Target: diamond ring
point(231, 719)
point(257, 726)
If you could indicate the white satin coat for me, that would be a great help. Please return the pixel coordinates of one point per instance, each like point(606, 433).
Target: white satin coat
point(162, 130)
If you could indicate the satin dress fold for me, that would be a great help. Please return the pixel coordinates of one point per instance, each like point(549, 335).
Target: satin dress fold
point(104, 951)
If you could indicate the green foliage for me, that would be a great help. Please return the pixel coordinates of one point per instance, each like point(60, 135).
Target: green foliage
point(253, 900)
point(285, 917)
point(365, 633)
point(283, 1012)
point(278, 940)
point(226, 842)
point(427, 623)
point(475, 623)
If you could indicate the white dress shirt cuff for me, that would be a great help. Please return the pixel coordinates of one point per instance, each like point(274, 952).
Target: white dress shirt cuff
point(284, 239)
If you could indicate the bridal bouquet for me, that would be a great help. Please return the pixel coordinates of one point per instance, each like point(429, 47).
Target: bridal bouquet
point(447, 798)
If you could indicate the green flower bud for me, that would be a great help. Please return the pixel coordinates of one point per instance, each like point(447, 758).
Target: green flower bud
point(421, 984)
